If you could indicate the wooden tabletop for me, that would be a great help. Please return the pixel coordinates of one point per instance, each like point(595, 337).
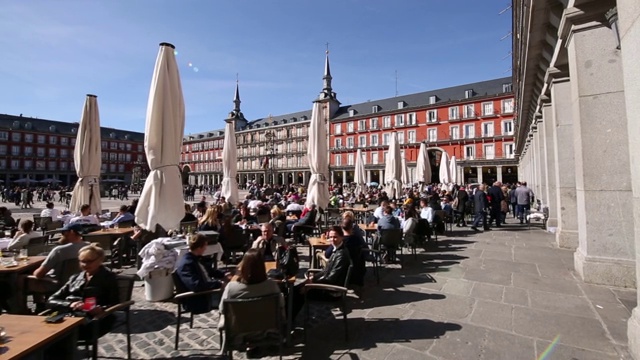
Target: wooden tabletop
point(114, 232)
point(26, 334)
point(317, 242)
point(367, 227)
point(23, 266)
point(269, 265)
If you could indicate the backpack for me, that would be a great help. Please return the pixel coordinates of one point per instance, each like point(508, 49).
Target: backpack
point(288, 260)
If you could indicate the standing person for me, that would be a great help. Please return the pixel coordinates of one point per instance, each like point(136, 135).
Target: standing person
point(513, 198)
point(480, 204)
point(523, 196)
point(495, 193)
point(460, 208)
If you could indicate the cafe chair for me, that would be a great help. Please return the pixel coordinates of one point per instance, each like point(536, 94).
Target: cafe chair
point(125, 224)
point(339, 291)
point(238, 242)
point(253, 321)
point(390, 239)
point(372, 256)
point(263, 218)
point(37, 219)
point(47, 286)
point(182, 294)
point(301, 232)
point(37, 246)
point(42, 222)
point(105, 241)
point(189, 224)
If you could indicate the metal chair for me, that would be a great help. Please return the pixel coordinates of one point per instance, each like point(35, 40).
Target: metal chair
point(37, 245)
point(390, 239)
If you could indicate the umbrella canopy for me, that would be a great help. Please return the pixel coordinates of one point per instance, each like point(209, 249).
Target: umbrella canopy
point(50, 181)
point(359, 176)
point(423, 167)
point(161, 198)
point(87, 158)
point(317, 155)
point(453, 170)
point(405, 173)
point(393, 169)
point(445, 176)
point(23, 181)
point(230, 164)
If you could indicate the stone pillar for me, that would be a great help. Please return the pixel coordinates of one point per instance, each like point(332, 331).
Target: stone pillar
point(499, 173)
point(542, 155)
point(304, 178)
point(381, 177)
point(344, 176)
point(550, 198)
point(605, 253)
point(333, 177)
point(564, 164)
point(479, 170)
point(368, 176)
point(629, 14)
point(536, 186)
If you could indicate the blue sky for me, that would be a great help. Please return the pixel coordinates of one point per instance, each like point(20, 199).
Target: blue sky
point(55, 52)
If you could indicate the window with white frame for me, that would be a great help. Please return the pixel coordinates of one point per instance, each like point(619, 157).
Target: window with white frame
point(454, 132)
point(432, 115)
point(487, 108)
point(507, 127)
point(16, 136)
point(112, 168)
point(350, 144)
point(507, 106)
point(400, 120)
point(401, 104)
point(28, 164)
point(362, 141)
point(121, 157)
point(337, 129)
point(468, 111)
point(509, 150)
point(338, 143)
point(350, 126)
point(350, 158)
point(121, 168)
point(53, 140)
point(373, 123)
point(469, 131)
point(468, 94)
point(385, 139)
point(411, 136)
point(338, 159)
point(432, 99)
point(4, 135)
point(15, 164)
point(386, 121)
point(29, 138)
point(469, 152)
point(53, 152)
point(3, 164)
point(489, 151)
point(507, 87)
point(3, 149)
point(362, 125)
point(374, 140)
point(52, 165)
point(40, 165)
point(411, 118)
point(375, 108)
point(454, 113)
point(28, 151)
point(15, 150)
point(40, 152)
point(400, 137)
point(41, 139)
point(487, 129)
point(374, 157)
point(432, 135)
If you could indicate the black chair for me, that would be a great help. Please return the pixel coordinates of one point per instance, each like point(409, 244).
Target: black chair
point(238, 242)
point(37, 246)
point(244, 318)
point(182, 294)
point(69, 268)
point(372, 256)
point(390, 239)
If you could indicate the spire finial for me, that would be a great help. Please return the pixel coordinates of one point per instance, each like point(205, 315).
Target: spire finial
point(327, 72)
point(236, 97)
point(327, 51)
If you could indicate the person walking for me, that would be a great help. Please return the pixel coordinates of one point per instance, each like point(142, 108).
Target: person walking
point(523, 197)
point(480, 204)
point(495, 193)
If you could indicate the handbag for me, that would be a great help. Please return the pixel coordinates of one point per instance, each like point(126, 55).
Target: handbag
point(288, 260)
point(455, 203)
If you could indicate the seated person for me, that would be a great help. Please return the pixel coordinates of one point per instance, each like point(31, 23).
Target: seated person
point(210, 220)
point(378, 212)
point(6, 219)
point(123, 215)
point(388, 221)
point(195, 277)
point(337, 267)
point(188, 216)
point(409, 225)
point(94, 281)
point(354, 243)
point(244, 217)
point(22, 237)
point(85, 217)
point(307, 219)
point(201, 208)
point(268, 243)
point(50, 211)
point(426, 211)
point(277, 214)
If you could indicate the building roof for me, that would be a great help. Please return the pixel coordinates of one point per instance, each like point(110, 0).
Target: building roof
point(451, 94)
point(23, 123)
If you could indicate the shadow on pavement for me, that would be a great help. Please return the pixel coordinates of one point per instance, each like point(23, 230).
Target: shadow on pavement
point(375, 298)
point(145, 321)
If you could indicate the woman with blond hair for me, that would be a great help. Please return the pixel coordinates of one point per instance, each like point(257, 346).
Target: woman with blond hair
point(209, 221)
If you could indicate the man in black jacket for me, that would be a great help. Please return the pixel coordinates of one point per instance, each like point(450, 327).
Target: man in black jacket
point(496, 195)
point(335, 273)
point(480, 204)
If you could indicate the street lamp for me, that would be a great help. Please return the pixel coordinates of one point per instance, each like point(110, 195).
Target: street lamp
point(272, 152)
point(139, 172)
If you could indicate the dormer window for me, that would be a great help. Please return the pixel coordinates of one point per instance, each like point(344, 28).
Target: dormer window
point(27, 126)
point(112, 135)
point(401, 104)
point(506, 88)
point(284, 121)
point(16, 124)
point(303, 117)
point(74, 130)
point(375, 108)
point(127, 136)
point(468, 94)
point(352, 112)
point(433, 99)
point(293, 118)
point(52, 128)
point(275, 122)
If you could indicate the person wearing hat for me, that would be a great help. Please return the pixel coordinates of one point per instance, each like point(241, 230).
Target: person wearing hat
point(70, 244)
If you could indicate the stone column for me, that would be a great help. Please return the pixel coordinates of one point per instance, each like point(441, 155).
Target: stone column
point(630, 38)
point(537, 183)
point(344, 176)
point(381, 177)
point(304, 178)
point(479, 170)
point(542, 155)
point(605, 253)
point(550, 198)
point(333, 177)
point(368, 176)
point(499, 173)
point(564, 164)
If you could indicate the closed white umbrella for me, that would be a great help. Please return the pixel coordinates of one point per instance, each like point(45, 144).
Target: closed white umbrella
point(161, 198)
point(423, 166)
point(453, 170)
point(405, 173)
point(317, 155)
point(445, 176)
point(230, 164)
point(87, 159)
point(359, 176)
point(393, 169)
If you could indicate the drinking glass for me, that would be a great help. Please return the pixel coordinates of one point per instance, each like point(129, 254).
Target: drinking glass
point(24, 255)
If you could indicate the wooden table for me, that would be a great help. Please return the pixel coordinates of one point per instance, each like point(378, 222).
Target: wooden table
point(114, 232)
point(29, 335)
point(316, 243)
point(10, 275)
point(368, 230)
point(23, 266)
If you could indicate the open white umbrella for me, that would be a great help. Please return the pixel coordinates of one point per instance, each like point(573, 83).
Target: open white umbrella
point(161, 198)
point(317, 155)
point(359, 176)
point(445, 176)
point(230, 164)
point(393, 169)
point(453, 170)
point(405, 173)
point(87, 158)
point(423, 166)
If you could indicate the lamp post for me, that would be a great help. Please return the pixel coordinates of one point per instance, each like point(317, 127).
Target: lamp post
point(272, 152)
point(140, 172)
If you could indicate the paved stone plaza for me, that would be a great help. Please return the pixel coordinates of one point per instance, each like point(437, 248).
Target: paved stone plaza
point(502, 294)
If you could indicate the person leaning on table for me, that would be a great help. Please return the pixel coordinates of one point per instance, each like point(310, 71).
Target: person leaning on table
point(22, 237)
